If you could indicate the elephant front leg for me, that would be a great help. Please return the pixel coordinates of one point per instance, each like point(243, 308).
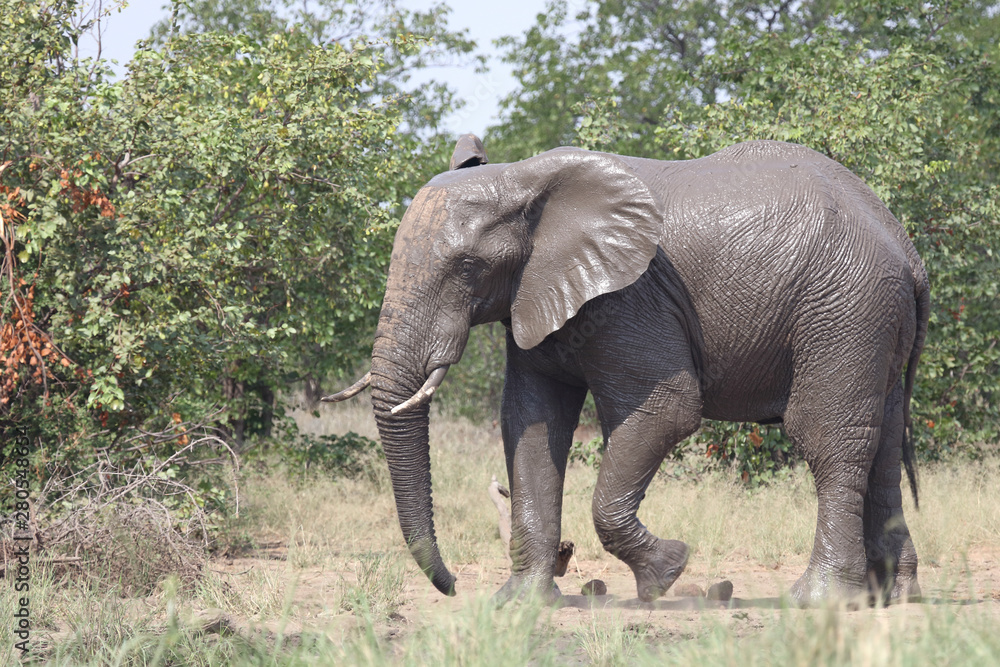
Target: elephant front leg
point(634, 452)
point(539, 416)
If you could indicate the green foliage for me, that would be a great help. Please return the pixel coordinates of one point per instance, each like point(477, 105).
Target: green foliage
point(405, 40)
point(644, 57)
point(908, 98)
point(347, 455)
point(589, 453)
point(211, 227)
point(599, 125)
point(759, 454)
point(378, 590)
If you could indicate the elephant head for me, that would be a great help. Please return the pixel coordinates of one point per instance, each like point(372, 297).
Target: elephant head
point(531, 242)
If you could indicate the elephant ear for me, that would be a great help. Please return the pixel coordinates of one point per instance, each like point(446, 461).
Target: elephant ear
point(469, 152)
point(595, 229)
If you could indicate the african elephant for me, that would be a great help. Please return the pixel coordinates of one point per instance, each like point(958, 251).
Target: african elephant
point(764, 283)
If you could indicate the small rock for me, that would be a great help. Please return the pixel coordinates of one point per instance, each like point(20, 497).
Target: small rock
point(722, 591)
point(562, 557)
point(594, 587)
point(689, 591)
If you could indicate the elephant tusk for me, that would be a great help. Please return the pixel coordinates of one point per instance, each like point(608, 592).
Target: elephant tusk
point(425, 394)
point(353, 390)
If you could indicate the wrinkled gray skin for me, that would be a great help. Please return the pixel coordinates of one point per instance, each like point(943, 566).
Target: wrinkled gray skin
point(764, 283)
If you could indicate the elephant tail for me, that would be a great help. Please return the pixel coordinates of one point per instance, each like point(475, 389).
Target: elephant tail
point(922, 293)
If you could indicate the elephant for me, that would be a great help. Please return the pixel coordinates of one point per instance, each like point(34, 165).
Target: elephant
point(763, 283)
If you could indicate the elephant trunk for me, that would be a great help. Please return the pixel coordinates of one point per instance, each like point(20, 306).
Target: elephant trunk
point(406, 442)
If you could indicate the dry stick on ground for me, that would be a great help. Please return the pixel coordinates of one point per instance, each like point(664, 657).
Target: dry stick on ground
point(134, 497)
point(136, 479)
point(498, 495)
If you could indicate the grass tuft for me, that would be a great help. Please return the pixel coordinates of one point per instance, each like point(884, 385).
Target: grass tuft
point(482, 634)
point(256, 594)
point(833, 636)
point(610, 641)
point(378, 592)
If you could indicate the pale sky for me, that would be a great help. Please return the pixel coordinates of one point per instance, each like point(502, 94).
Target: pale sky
point(486, 21)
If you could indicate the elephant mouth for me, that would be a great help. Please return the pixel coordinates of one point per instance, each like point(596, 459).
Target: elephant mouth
point(424, 394)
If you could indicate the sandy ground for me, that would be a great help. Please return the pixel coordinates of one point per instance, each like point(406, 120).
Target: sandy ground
point(971, 585)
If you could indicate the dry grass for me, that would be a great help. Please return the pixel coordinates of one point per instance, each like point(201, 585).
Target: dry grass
point(609, 641)
point(328, 596)
point(378, 591)
point(959, 510)
point(257, 594)
point(350, 517)
point(717, 516)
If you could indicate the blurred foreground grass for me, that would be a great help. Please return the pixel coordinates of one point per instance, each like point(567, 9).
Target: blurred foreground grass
point(341, 589)
point(478, 634)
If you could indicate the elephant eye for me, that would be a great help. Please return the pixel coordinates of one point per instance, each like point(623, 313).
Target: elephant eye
point(468, 267)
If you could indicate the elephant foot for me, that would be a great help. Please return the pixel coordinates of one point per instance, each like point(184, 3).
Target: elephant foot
point(659, 568)
point(893, 587)
point(520, 588)
point(906, 589)
point(816, 588)
point(899, 589)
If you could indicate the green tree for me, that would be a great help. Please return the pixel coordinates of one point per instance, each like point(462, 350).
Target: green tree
point(375, 22)
point(646, 56)
point(418, 138)
point(904, 94)
point(919, 120)
point(223, 214)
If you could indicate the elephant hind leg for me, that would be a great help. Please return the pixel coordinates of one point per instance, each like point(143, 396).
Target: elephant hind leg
point(838, 427)
point(635, 449)
point(891, 556)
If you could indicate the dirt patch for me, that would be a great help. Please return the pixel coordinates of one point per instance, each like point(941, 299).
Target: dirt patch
point(971, 583)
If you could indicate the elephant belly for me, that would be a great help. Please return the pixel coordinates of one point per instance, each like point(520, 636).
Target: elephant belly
point(752, 389)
